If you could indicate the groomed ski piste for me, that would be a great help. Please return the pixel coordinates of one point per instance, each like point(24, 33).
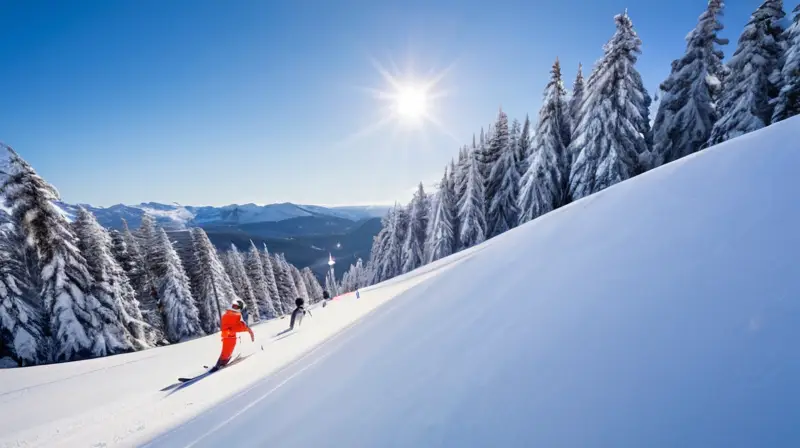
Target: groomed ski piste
point(661, 312)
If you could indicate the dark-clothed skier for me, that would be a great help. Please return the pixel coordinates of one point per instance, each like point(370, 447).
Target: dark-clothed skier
point(298, 313)
point(325, 298)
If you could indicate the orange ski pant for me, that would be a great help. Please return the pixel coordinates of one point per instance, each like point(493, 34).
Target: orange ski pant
point(228, 344)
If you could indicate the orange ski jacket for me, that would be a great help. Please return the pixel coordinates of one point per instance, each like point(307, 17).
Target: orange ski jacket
point(232, 323)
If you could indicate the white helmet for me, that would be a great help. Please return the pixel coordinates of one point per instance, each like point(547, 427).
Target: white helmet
point(237, 304)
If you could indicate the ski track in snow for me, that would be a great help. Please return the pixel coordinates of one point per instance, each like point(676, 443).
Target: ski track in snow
point(150, 412)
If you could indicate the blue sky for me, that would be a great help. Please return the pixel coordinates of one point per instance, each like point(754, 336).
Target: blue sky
point(211, 103)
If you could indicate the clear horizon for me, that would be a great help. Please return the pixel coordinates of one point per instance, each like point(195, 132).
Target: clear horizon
point(267, 103)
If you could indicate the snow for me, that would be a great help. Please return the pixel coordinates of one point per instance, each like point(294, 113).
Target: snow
point(661, 311)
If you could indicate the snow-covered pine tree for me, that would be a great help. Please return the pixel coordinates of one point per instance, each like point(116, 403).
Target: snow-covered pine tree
point(413, 247)
point(514, 133)
point(687, 109)
point(142, 283)
point(65, 280)
point(214, 291)
point(119, 249)
point(299, 283)
point(403, 219)
point(605, 155)
point(788, 102)
point(22, 326)
point(576, 101)
point(149, 239)
point(347, 284)
point(359, 275)
point(453, 178)
point(241, 283)
point(391, 259)
point(255, 272)
point(497, 144)
point(524, 147)
point(460, 170)
point(745, 103)
point(181, 317)
point(114, 305)
point(543, 188)
point(380, 244)
point(471, 208)
point(272, 287)
point(313, 287)
point(331, 285)
point(441, 237)
point(503, 214)
point(283, 278)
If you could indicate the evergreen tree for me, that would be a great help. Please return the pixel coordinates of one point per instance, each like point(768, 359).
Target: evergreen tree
point(255, 271)
point(213, 290)
point(313, 287)
point(331, 285)
point(347, 283)
point(272, 287)
point(524, 147)
point(114, 306)
point(460, 171)
point(241, 283)
point(503, 213)
point(575, 103)
point(544, 186)
point(497, 145)
point(471, 207)
point(413, 251)
point(687, 109)
point(181, 317)
point(283, 279)
point(136, 267)
point(64, 278)
point(391, 265)
point(359, 275)
point(452, 185)
point(788, 102)
point(300, 284)
point(380, 243)
point(441, 238)
point(22, 325)
point(452, 177)
point(747, 90)
point(149, 240)
point(606, 155)
point(353, 279)
point(514, 134)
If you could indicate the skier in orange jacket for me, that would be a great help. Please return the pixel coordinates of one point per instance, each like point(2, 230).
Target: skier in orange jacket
point(231, 324)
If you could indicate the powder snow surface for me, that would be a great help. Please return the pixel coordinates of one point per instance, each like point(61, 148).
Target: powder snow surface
point(661, 312)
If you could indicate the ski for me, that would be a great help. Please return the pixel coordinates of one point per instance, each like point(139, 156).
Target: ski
point(213, 369)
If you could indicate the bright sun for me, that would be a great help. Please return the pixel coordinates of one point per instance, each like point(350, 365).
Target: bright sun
point(411, 102)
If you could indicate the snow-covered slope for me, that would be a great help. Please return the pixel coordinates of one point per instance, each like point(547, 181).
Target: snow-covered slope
point(660, 312)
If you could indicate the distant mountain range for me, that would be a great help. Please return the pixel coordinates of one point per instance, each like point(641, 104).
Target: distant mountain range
point(178, 217)
point(306, 234)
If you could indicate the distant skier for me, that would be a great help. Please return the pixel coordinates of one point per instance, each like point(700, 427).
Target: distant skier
point(231, 324)
point(325, 298)
point(298, 313)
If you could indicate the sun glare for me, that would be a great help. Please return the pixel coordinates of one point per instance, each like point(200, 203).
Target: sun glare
point(411, 103)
